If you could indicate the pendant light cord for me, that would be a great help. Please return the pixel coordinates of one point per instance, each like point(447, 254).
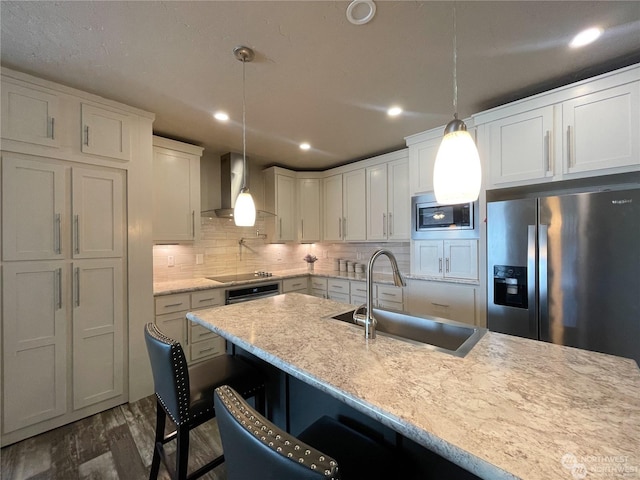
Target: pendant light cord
point(455, 65)
point(244, 128)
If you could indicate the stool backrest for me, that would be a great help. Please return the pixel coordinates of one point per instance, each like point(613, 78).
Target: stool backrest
point(255, 448)
point(170, 373)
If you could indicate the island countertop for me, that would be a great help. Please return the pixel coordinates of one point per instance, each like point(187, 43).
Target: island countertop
point(511, 408)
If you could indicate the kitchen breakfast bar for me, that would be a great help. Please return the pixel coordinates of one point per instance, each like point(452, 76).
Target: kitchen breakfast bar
point(511, 408)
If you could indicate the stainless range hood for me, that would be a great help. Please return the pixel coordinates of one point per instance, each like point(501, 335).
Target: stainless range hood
point(231, 170)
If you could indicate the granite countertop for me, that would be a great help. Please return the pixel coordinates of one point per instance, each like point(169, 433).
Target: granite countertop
point(512, 408)
point(202, 283)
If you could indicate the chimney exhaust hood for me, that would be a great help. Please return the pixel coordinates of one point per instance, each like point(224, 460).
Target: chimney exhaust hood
point(231, 172)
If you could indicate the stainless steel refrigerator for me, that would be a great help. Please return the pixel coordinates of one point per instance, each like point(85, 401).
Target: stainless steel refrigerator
point(566, 269)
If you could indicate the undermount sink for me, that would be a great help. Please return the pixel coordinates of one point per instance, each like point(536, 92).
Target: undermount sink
point(443, 335)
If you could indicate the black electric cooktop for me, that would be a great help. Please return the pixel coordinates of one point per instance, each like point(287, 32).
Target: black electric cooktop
point(242, 277)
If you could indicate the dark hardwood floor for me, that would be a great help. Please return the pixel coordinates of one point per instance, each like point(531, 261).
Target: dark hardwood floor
point(115, 444)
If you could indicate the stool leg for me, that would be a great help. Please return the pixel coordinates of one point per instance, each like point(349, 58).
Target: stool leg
point(161, 418)
point(182, 453)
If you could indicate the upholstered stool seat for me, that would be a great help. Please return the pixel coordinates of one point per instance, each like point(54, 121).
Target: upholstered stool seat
point(186, 395)
point(255, 448)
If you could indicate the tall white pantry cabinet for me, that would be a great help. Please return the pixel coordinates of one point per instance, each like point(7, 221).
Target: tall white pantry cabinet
point(68, 167)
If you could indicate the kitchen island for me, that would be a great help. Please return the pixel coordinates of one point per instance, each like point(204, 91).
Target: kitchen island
point(511, 408)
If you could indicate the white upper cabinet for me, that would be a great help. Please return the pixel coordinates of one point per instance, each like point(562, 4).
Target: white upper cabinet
point(332, 214)
point(520, 146)
point(98, 212)
point(445, 259)
point(34, 209)
point(423, 149)
point(176, 191)
point(388, 202)
point(29, 115)
point(354, 205)
point(309, 202)
point(106, 132)
point(280, 196)
point(589, 128)
point(602, 130)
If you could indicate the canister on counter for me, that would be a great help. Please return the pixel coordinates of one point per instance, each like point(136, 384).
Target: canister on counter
point(343, 265)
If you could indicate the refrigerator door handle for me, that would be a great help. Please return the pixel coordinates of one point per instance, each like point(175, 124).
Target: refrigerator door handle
point(543, 301)
point(531, 279)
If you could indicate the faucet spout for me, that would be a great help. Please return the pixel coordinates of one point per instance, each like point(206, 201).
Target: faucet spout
point(370, 321)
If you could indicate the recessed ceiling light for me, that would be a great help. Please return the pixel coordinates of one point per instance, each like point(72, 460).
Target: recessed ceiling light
point(394, 111)
point(305, 146)
point(222, 116)
point(586, 37)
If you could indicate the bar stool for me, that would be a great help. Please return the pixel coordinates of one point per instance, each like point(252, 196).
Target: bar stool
point(186, 395)
point(256, 448)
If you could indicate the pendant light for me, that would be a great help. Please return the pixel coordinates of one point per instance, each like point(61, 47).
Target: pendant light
point(457, 172)
point(244, 210)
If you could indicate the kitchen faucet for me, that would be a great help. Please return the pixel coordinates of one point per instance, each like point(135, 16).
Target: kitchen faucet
point(369, 319)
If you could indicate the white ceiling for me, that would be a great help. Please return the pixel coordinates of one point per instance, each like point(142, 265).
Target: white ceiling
point(316, 77)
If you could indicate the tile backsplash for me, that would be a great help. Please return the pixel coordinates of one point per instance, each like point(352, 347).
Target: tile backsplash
point(222, 254)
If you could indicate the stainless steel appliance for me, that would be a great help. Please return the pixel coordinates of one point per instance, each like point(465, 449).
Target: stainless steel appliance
point(566, 269)
point(251, 292)
point(429, 217)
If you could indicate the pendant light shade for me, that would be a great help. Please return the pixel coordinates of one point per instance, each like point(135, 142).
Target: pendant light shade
point(457, 172)
point(244, 210)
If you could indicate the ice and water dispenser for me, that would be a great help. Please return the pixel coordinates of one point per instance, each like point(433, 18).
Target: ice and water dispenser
point(510, 286)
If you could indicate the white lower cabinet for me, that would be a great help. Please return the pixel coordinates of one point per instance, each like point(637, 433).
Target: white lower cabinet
point(386, 297)
point(43, 302)
point(197, 342)
point(338, 290)
point(318, 286)
point(297, 284)
point(441, 299)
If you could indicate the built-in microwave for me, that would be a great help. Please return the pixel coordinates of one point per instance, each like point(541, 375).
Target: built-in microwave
point(429, 216)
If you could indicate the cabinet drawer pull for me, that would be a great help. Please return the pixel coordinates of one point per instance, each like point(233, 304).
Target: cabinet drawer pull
point(204, 334)
point(296, 284)
point(204, 350)
point(205, 300)
point(173, 305)
point(337, 286)
point(440, 305)
point(390, 294)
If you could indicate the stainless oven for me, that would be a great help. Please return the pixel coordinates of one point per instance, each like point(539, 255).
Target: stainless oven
point(251, 292)
point(428, 217)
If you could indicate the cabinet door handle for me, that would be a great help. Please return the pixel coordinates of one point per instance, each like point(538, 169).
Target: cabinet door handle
point(76, 278)
point(570, 159)
point(447, 265)
point(280, 227)
point(302, 227)
point(193, 224)
point(549, 152)
point(76, 231)
point(390, 225)
point(53, 128)
point(58, 286)
point(344, 229)
point(86, 135)
point(440, 265)
point(440, 305)
point(339, 227)
point(173, 305)
point(384, 224)
point(57, 239)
